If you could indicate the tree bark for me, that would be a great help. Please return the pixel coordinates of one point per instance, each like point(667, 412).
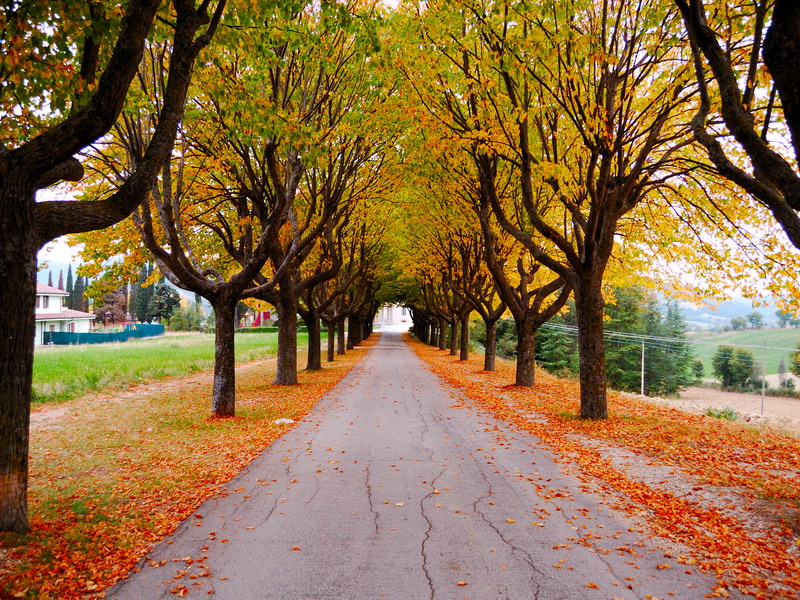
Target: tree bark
point(341, 342)
point(453, 343)
point(782, 58)
point(286, 370)
point(526, 353)
point(442, 333)
point(314, 362)
point(331, 324)
point(464, 355)
point(591, 348)
point(491, 343)
point(17, 330)
point(223, 399)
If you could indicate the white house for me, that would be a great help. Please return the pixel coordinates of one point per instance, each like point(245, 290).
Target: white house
point(52, 315)
point(389, 314)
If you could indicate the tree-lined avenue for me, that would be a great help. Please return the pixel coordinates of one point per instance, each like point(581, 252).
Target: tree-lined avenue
point(389, 490)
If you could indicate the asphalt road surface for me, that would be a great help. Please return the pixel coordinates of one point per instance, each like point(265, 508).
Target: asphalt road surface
point(388, 490)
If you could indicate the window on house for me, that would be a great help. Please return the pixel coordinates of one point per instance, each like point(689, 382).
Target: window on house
point(403, 311)
point(38, 301)
point(52, 328)
point(72, 327)
point(45, 301)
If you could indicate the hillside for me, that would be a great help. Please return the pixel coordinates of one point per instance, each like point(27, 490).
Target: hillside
point(779, 344)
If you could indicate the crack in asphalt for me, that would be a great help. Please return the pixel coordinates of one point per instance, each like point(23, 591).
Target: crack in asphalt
point(525, 555)
point(371, 501)
point(427, 536)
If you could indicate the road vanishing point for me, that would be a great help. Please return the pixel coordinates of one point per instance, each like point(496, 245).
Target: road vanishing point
point(392, 488)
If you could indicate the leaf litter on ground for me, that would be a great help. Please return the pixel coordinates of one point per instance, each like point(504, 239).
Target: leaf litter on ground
point(111, 476)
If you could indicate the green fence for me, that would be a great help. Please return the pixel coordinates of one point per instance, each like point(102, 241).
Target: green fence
point(65, 338)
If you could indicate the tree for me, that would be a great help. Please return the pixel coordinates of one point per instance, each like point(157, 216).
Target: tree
point(734, 367)
point(738, 323)
point(144, 292)
point(77, 299)
point(69, 79)
point(794, 365)
point(573, 112)
point(755, 319)
point(751, 52)
point(698, 370)
point(70, 287)
point(186, 319)
point(112, 309)
point(784, 317)
point(163, 303)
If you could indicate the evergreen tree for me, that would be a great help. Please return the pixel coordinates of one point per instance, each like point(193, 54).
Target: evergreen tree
point(557, 350)
point(77, 298)
point(164, 301)
point(141, 302)
point(61, 279)
point(70, 289)
point(629, 314)
point(50, 278)
point(675, 358)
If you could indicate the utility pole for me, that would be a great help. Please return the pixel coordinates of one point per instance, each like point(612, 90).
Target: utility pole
point(642, 388)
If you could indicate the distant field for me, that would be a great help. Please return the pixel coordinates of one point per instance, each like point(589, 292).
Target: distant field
point(64, 372)
point(779, 343)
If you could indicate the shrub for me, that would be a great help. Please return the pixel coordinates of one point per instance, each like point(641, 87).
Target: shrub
point(726, 414)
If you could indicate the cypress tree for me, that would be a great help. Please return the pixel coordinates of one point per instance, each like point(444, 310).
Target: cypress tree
point(70, 289)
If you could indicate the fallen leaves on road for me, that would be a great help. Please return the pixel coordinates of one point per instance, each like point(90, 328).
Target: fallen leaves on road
point(114, 477)
point(765, 464)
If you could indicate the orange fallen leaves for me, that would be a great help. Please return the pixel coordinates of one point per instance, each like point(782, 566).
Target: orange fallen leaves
point(716, 453)
point(121, 475)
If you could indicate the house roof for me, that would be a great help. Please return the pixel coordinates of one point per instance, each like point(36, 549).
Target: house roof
point(66, 314)
point(48, 290)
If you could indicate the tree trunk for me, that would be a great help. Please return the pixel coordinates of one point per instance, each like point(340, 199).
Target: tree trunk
point(453, 344)
point(17, 330)
point(223, 398)
point(286, 371)
point(341, 342)
point(331, 339)
point(464, 338)
point(526, 353)
point(589, 305)
point(491, 343)
point(314, 344)
point(442, 334)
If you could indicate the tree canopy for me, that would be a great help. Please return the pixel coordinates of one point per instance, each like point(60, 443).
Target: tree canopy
point(465, 159)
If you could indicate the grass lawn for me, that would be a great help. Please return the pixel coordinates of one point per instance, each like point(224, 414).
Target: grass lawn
point(64, 372)
point(111, 476)
point(779, 343)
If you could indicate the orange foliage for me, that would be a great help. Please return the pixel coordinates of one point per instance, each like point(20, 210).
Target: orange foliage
point(111, 478)
point(764, 464)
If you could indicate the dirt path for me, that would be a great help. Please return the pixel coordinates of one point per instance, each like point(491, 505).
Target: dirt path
point(783, 413)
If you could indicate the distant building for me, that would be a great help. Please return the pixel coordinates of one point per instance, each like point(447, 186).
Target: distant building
point(51, 315)
point(389, 314)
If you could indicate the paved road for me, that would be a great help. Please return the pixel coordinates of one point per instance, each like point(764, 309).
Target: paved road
point(389, 491)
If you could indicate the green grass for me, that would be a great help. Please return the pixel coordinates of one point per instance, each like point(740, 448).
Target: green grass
point(64, 372)
point(778, 342)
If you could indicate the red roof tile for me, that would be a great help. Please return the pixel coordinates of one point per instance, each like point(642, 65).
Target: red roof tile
point(64, 315)
point(49, 290)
